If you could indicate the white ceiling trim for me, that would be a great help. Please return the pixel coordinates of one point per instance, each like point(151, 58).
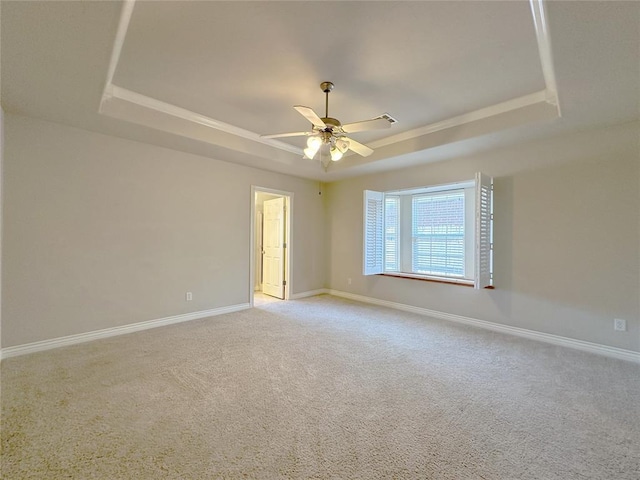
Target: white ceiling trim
point(549, 95)
point(481, 114)
point(541, 26)
point(118, 43)
point(159, 106)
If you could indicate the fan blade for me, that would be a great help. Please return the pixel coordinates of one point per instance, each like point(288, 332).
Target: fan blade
point(292, 134)
point(310, 115)
point(374, 124)
point(358, 147)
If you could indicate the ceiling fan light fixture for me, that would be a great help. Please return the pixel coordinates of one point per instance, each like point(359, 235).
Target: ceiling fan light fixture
point(342, 145)
point(336, 154)
point(313, 145)
point(314, 142)
point(328, 134)
point(310, 152)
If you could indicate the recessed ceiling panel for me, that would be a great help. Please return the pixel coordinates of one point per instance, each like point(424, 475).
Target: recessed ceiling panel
point(248, 63)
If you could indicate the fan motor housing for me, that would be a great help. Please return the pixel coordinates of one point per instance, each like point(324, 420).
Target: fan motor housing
point(331, 122)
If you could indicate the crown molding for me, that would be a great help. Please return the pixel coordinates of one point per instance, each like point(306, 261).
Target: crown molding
point(481, 114)
point(118, 43)
point(116, 92)
point(541, 25)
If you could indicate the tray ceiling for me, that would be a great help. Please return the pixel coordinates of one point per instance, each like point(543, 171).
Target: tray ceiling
point(210, 77)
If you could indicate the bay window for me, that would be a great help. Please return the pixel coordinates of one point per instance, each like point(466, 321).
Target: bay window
point(439, 232)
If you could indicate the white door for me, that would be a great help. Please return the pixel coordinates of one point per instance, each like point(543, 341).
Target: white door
point(273, 248)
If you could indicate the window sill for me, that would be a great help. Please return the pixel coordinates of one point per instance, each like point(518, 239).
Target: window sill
point(425, 278)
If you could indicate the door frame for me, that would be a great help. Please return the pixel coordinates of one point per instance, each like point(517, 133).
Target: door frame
point(288, 223)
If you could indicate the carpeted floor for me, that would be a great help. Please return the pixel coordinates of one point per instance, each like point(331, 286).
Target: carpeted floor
point(319, 388)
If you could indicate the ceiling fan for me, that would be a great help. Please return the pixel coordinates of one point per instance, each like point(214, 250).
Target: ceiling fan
point(329, 135)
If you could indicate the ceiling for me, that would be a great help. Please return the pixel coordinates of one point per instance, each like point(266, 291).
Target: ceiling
point(210, 77)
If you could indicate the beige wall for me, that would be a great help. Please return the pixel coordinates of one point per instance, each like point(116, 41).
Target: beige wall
point(1, 206)
point(567, 228)
point(101, 232)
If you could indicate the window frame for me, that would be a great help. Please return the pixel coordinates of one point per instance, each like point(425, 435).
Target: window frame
point(481, 231)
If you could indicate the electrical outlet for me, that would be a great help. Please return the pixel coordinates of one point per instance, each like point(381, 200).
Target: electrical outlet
point(348, 281)
point(188, 296)
point(619, 324)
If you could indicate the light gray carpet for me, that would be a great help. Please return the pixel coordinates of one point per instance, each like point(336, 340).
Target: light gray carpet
point(319, 388)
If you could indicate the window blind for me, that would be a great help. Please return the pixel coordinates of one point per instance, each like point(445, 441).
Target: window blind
point(438, 234)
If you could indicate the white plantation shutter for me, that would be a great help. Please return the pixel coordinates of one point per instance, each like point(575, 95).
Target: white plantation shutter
point(484, 231)
point(373, 248)
point(391, 233)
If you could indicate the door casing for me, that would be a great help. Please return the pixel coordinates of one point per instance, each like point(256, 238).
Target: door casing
point(288, 277)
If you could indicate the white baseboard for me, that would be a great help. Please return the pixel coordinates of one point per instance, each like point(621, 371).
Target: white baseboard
point(112, 332)
point(310, 293)
point(596, 348)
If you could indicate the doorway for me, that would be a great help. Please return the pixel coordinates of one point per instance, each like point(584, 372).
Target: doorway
point(270, 243)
